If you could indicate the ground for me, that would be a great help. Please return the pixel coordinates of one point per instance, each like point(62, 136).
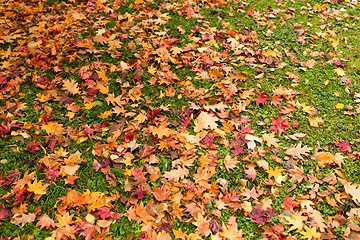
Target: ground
point(149, 119)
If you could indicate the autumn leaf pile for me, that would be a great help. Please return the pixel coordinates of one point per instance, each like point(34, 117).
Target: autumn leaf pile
point(178, 120)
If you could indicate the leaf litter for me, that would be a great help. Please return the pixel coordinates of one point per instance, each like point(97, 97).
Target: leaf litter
point(175, 118)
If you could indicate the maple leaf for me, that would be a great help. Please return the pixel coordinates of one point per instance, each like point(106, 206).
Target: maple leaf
point(231, 232)
point(64, 220)
point(289, 203)
point(270, 139)
point(310, 233)
point(45, 221)
point(37, 187)
point(205, 121)
point(146, 150)
point(297, 174)
point(310, 63)
point(105, 212)
point(258, 216)
point(33, 146)
point(296, 220)
point(71, 86)
point(161, 193)
point(140, 210)
point(237, 150)
point(298, 150)
point(262, 98)
point(203, 225)
point(230, 163)
point(251, 173)
point(274, 172)
point(344, 145)
point(4, 212)
point(279, 125)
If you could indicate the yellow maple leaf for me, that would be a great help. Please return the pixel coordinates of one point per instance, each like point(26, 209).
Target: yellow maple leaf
point(89, 105)
point(37, 187)
point(310, 233)
point(53, 128)
point(274, 172)
point(296, 220)
point(270, 139)
point(105, 114)
point(152, 70)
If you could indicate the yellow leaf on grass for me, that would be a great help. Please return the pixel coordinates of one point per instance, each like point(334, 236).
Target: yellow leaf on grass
point(105, 114)
point(339, 72)
point(339, 105)
point(37, 187)
point(310, 233)
point(89, 105)
point(152, 70)
point(270, 139)
point(274, 172)
point(314, 122)
point(205, 121)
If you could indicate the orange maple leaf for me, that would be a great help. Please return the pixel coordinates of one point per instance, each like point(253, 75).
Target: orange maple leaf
point(161, 193)
point(205, 121)
point(45, 221)
point(71, 86)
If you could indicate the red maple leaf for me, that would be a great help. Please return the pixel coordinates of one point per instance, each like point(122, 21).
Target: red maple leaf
point(105, 212)
point(32, 146)
point(250, 173)
point(237, 150)
point(4, 212)
point(262, 98)
point(259, 216)
point(289, 203)
point(146, 150)
point(344, 145)
point(280, 125)
point(139, 192)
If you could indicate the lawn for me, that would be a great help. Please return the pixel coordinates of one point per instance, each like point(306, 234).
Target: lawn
point(161, 120)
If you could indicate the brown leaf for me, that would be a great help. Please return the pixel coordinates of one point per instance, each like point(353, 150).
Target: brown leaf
point(24, 219)
point(298, 150)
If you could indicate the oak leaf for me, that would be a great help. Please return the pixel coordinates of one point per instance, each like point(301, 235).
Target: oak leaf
point(298, 150)
point(24, 219)
point(162, 131)
point(175, 174)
